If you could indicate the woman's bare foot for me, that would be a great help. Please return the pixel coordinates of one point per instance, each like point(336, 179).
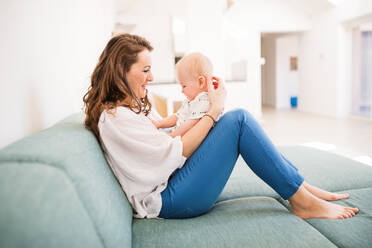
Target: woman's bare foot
point(306, 206)
point(325, 195)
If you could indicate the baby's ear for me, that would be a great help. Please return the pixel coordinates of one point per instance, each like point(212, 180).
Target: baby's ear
point(202, 81)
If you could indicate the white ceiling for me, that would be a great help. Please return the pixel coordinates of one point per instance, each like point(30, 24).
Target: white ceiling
point(311, 7)
point(308, 7)
point(123, 5)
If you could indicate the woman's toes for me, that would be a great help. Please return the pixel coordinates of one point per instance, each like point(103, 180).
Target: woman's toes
point(351, 211)
point(346, 215)
point(355, 210)
point(344, 196)
point(336, 197)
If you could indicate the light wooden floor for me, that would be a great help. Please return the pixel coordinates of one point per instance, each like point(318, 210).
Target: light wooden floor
point(349, 137)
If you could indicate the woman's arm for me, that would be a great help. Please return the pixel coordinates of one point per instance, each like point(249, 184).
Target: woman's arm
point(183, 128)
point(194, 137)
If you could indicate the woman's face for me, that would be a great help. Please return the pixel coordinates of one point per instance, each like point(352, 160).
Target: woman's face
point(139, 74)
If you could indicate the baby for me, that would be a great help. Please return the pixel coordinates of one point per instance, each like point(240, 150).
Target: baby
point(194, 71)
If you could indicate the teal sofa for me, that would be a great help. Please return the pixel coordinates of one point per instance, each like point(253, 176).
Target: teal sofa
point(56, 190)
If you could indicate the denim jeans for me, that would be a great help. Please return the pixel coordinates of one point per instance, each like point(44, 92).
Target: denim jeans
point(195, 188)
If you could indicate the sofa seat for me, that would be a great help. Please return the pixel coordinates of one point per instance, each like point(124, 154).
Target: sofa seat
point(57, 190)
point(240, 222)
point(249, 212)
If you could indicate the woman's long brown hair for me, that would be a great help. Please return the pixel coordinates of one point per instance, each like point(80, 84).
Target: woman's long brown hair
point(109, 86)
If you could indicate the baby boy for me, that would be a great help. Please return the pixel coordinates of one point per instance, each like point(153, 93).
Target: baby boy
point(194, 72)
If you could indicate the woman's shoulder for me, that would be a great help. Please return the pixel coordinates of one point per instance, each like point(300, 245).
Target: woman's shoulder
point(120, 114)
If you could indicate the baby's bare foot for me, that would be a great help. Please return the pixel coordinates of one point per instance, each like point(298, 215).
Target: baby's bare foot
point(325, 195)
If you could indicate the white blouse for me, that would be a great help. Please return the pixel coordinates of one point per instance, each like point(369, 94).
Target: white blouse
point(141, 157)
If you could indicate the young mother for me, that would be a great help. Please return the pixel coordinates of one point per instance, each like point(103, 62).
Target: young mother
point(183, 177)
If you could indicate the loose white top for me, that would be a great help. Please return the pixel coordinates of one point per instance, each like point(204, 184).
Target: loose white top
point(194, 109)
point(141, 157)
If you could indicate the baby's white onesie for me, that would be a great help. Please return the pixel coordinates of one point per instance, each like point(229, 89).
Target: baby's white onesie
point(194, 109)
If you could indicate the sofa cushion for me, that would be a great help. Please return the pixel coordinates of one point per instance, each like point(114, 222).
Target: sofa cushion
point(244, 222)
point(353, 232)
point(326, 170)
point(41, 208)
point(244, 183)
point(75, 152)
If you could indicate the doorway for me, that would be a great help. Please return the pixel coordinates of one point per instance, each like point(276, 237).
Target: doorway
point(279, 70)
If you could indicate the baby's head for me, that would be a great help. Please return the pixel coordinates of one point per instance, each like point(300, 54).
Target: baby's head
point(194, 71)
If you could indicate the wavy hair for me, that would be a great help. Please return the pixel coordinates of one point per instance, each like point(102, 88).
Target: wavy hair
point(109, 86)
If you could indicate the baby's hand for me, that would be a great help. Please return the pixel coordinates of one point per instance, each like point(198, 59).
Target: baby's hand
point(156, 123)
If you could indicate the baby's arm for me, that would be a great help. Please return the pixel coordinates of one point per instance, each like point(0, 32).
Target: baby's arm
point(184, 127)
point(170, 121)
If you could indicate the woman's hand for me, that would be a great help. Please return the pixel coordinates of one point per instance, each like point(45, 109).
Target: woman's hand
point(217, 96)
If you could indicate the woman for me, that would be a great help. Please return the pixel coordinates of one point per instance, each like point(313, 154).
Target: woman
point(182, 177)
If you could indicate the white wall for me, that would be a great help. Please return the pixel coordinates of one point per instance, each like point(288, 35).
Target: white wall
point(48, 51)
point(270, 16)
point(160, 39)
point(325, 59)
point(204, 31)
point(153, 20)
point(318, 62)
point(243, 41)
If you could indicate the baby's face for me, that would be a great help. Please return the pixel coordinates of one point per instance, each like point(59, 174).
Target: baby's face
point(190, 85)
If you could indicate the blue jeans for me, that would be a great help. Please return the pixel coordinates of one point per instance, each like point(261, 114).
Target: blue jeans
point(195, 188)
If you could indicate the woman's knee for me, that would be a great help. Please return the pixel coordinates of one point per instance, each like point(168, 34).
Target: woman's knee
point(237, 115)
